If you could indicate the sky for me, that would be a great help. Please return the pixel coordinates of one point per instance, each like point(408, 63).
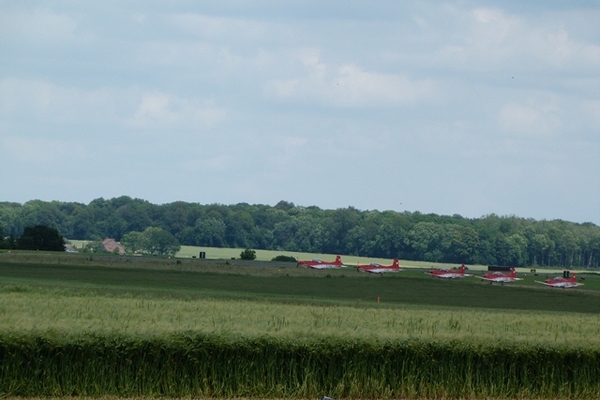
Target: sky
point(446, 107)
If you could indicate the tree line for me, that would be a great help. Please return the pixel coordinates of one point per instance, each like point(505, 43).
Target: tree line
point(38, 237)
point(488, 240)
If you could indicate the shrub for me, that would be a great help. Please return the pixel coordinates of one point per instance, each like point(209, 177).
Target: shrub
point(284, 258)
point(248, 254)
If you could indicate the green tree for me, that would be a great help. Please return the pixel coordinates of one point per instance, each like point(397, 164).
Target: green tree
point(310, 235)
point(390, 240)
point(10, 218)
point(284, 234)
point(238, 224)
point(177, 216)
point(10, 242)
point(539, 244)
point(94, 246)
point(209, 232)
point(248, 254)
point(517, 250)
point(459, 243)
point(134, 242)
point(82, 223)
point(41, 237)
point(425, 240)
point(160, 242)
point(135, 214)
point(338, 225)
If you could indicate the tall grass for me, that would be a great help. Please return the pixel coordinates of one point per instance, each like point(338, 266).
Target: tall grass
point(229, 366)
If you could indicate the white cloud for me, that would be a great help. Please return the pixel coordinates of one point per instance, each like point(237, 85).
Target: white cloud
point(348, 85)
point(159, 110)
point(41, 151)
point(291, 144)
point(218, 28)
point(535, 118)
point(492, 26)
point(216, 163)
point(61, 106)
point(557, 47)
point(493, 39)
point(42, 100)
point(36, 27)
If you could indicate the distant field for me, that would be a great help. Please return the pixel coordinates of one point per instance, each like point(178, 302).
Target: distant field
point(217, 253)
point(267, 255)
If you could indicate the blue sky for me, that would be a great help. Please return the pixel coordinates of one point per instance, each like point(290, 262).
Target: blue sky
point(456, 107)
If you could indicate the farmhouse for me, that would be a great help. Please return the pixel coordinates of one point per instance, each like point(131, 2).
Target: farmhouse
point(112, 246)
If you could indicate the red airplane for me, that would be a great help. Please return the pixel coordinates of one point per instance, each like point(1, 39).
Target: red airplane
point(501, 277)
point(375, 268)
point(320, 264)
point(561, 282)
point(448, 273)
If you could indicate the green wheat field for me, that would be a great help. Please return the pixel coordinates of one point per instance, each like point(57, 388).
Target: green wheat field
point(89, 326)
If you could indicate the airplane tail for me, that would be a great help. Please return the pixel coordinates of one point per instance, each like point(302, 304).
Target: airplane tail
point(462, 269)
point(338, 259)
point(513, 272)
point(574, 280)
point(396, 264)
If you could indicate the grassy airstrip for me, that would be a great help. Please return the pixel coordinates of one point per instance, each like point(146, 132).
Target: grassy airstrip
point(82, 325)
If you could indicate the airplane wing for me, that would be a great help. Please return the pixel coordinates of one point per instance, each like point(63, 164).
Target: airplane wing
point(383, 270)
point(573, 284)
point(561, 284)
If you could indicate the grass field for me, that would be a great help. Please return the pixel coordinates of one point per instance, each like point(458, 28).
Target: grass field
point(75, 312)
point(287, 283)
point(59, 305)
